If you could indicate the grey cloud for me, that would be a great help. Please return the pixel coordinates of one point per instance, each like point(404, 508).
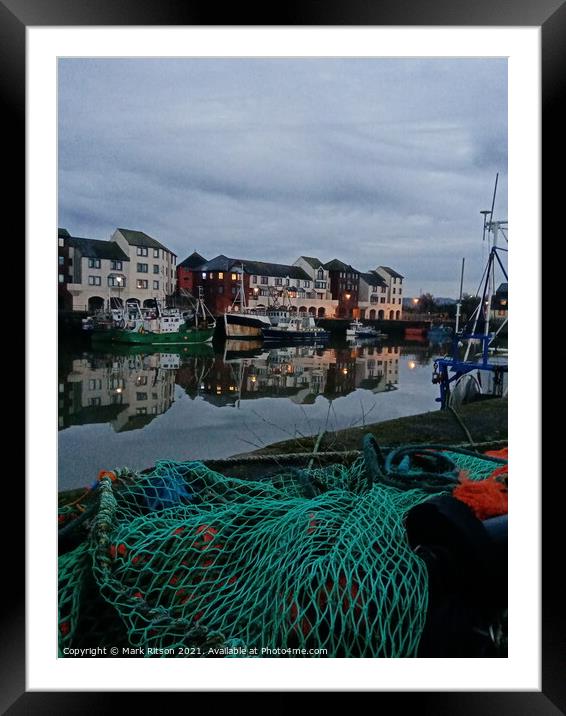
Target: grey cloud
point(374, 161)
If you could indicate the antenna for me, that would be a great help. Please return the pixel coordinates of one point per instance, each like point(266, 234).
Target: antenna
point(485, 212)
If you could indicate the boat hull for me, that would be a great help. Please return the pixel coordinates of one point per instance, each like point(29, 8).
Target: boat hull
point(272, 335)
point(238, 325)
point(118, 335)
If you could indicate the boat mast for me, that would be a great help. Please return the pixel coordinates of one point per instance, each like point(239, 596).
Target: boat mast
point(459, 304)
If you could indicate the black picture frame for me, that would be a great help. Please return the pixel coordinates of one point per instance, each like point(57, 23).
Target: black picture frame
point(550, 16)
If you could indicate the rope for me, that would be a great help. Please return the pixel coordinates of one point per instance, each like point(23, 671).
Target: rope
point(462, 425)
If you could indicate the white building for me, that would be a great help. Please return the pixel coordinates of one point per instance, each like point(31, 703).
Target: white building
point(381, 294)
point(131, 265)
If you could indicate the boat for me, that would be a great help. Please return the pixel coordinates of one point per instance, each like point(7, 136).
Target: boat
point(357, 329)
point(469, 374)
point(157, 325)
point(440, 333)
point(241, 321)
point(296, 329)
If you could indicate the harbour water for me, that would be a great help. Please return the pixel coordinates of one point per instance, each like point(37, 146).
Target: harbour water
point(132, 407)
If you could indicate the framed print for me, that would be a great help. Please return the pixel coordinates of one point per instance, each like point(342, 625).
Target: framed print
point(106, 162)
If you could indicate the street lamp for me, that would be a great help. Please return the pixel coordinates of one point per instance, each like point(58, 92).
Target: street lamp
point(119, 280)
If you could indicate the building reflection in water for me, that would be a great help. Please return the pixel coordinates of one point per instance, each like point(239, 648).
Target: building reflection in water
point(129, 391)
point(299, 373)
point(126, 391)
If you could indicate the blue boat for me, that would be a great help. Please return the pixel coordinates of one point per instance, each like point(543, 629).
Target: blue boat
point(476, 368)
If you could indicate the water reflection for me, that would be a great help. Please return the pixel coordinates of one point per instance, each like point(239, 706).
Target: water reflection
point(126, 391)
point(128, 388)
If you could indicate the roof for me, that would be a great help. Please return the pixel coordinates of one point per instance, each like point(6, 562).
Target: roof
point(337, 265)
point(63, 233)
point(193, 261)
point(139, 238)
point(96, 249)
point(312, 261)
point(373, 279)
point(256, 268)
point(391, 272)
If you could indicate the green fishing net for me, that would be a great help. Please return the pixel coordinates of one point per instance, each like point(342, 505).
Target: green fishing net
point(185, 561)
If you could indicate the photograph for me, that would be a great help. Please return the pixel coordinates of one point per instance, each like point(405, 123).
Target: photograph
point(282, 357)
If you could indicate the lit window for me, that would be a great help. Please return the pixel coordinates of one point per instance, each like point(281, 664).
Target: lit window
point(234, 277)
point(203, 274)
point(141, 283)
point(220, 274)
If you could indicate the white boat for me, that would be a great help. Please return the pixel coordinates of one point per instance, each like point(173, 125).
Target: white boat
point(297, 329)
point(357, 329)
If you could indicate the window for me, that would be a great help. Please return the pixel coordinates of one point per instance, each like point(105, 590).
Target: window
point(287, 282)
point(278, 281)
point(94, 281)
point(254, 279)
point(234, 276)
point(94, 263)
point(116, 265)
point(141, 411)
point(156, 253)
point(263, 292)
point(61, 242)
point(383, 289)
point(141, 283)
point(95, 384)
point(61, 260)
point(320, 284)
point(94, 402)
point(264, 280)
point(142, 268)
point(382, 299)
point(220, 275)
point(61, 278)
point(155, 268)
point(141, 251)
point(394, 290)
point(117, 281)
point(210, 275)
point(306, 284)
point(203, 274)
point(233, 290)
point(320, 273)
point(400, 291)
point(156, 285)
point(220, 289)
point(141, 396)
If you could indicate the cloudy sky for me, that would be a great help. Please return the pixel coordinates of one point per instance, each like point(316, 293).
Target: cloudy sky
point(373, 161)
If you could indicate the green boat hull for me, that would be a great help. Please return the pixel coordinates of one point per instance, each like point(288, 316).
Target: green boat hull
point(117, 335)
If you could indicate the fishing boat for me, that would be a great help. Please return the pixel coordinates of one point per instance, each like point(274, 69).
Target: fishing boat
point(301, 328)
point(157, 325)
point(241, 321)
point(357, 329)
point(476, 368)
point(439, 333)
